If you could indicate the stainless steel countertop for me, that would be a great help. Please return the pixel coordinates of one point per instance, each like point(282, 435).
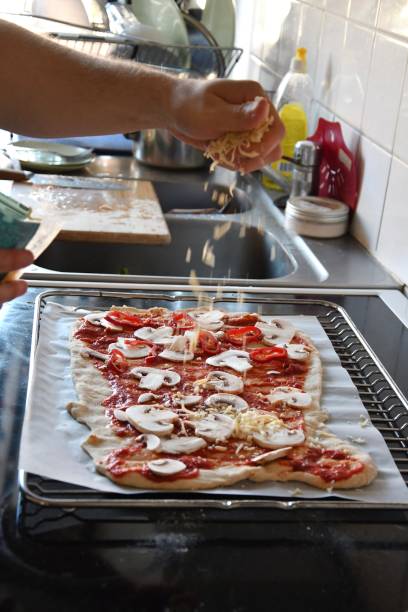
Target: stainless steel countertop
point(333, 263)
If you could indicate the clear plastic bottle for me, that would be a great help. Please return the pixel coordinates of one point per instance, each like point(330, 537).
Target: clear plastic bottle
point(293, 102)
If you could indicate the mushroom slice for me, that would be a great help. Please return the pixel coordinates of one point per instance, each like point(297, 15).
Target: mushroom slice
point(159, 335)
point(188, 400)
point(211, 320)
point(120, 414)
point(151, 419)
point(297, 351)
point(153, 378)
point(290, 396)
point(235, 359)
point(279, 437)
point(91, 353)
point(166, 467)
point(215, 427)
point(178, 350)
point(109, 325)
point(147, 397)
point(224, 381)
point(276, 331)
point(226, 399)
point(186, 445)
point(130, 348)
point(151, 441)
point(95, 317)
point(272, 455)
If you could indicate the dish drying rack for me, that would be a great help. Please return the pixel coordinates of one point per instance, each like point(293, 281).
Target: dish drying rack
point(205, 61)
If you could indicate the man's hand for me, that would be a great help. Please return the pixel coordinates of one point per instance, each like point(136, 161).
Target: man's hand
point(13, 259)
point(201, 111)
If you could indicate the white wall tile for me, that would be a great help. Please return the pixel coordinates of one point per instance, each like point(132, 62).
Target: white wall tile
point(317, 111)
point(401, 136)
point(393, 244)
point(364, 11)
point(351, 82)
point(310, 25)
point(329, 62)
point(289, 37)
point(384, 90)
point(258, 28)
point(374, 167)
point(319, 3)
point(340, 7)
point(393, 17)
point(274, 15)
point(351, 136)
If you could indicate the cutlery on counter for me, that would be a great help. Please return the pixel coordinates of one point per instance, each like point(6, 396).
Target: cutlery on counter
point(55, 180)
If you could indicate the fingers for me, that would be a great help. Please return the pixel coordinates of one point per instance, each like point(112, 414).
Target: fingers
point(268, 150)
point(14, 259)
point(247, 105)
point(256, 163)
point(236, 92)
point(10, 291)
point(247, 116)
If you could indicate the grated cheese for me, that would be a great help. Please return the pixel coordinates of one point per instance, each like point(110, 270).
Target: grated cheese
point(251, 422)
point(232, 147)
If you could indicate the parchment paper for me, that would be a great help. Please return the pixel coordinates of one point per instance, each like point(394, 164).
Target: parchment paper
point(51, 438)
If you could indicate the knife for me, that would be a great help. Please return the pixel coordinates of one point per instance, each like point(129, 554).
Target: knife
point(57, 180)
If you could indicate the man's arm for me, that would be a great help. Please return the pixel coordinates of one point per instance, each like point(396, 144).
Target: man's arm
point(54, 91)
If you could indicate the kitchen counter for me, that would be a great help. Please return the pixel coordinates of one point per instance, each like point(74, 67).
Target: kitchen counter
point(347, 263)
point(186, 561)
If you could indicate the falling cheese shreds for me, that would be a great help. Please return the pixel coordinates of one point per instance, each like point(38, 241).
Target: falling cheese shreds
point(220, 291)
point(208, 256)
point(233, 146)
point(363, 422)
point(355, 440)
point(242, 231)
point(188, 255)
point(220, 230)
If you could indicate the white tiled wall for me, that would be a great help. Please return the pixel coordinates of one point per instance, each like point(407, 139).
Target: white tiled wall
point(358, 59)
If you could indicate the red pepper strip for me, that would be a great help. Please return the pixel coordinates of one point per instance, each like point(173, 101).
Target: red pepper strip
point(243, 335)
point(208, 343)
point(117, 361)
point(265, 354)
point(124, 318)
point(182, 321)
point(244, 319)
point(136, 342)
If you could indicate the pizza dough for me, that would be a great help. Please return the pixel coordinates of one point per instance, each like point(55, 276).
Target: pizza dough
point(215, 399)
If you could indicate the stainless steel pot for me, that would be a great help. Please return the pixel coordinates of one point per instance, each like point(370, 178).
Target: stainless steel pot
point(161, 149)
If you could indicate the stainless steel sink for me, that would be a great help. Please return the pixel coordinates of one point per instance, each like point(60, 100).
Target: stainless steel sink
point(250, 246)
point(241, 253)
point(195, 198)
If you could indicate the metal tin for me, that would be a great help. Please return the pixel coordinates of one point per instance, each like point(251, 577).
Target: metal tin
point(317, 217)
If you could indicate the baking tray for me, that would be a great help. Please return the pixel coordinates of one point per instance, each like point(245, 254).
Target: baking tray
point(385, 403)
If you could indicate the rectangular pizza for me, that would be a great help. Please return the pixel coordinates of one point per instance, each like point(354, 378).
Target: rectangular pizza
point(198, 399)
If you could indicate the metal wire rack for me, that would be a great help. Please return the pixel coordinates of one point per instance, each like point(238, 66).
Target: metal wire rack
point(195, 60)
point(385, 403)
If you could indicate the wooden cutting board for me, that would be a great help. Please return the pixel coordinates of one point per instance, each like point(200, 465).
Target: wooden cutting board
point(129, 215)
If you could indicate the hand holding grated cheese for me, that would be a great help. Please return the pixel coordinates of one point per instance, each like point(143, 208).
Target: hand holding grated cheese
point(233, 146)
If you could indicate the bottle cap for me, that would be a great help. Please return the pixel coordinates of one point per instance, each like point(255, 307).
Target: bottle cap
point(299, 63)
